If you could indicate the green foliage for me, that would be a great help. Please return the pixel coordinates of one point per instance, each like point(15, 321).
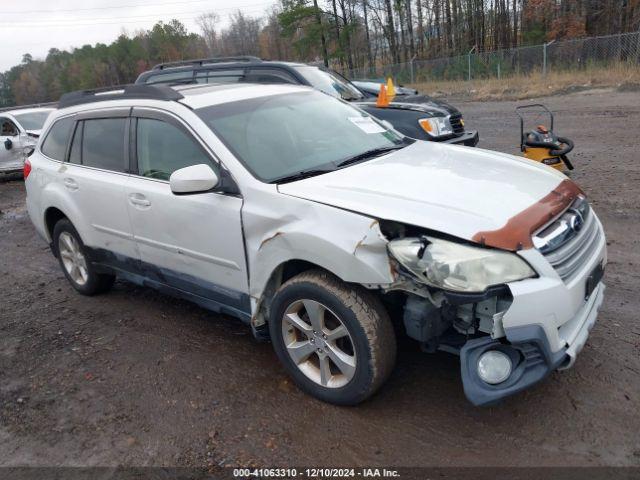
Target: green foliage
point(534, 34)
point(299, 24)
point(99, 65)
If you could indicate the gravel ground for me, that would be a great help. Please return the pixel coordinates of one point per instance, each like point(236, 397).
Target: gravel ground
point(137, 378)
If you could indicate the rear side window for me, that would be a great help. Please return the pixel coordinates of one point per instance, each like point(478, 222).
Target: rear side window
point(55, 145)
point(269, 75)
point(7, 128)
point(163, 148)
point(103, 143)
point(76, 145)
point(170, 77)
point(220, 76)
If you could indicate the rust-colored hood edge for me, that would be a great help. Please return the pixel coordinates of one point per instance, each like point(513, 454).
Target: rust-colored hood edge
point(516, 233)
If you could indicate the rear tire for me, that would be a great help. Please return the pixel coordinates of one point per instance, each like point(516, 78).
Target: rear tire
point(341, 352)
point(75, 263)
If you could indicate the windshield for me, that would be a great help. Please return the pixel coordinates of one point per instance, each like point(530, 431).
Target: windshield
point(329, 82)
point(33, 120)
point(283, 135)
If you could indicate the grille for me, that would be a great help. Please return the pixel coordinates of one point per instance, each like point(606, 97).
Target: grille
point(569, 257)
point(456, 123)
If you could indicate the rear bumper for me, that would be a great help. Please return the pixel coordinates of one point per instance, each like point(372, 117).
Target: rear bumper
point(12, 166)
point(468, 139)
point(531, 346)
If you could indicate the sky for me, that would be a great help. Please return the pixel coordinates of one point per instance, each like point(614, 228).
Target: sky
point(35, 26)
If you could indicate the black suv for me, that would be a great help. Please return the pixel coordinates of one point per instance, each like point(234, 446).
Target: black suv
point(416, 116)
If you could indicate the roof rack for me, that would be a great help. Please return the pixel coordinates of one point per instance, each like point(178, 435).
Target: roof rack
point(202, 61)
point(119, 92)
point(33, 105)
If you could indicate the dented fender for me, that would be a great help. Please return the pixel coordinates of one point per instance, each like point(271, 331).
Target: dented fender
point(349, 245)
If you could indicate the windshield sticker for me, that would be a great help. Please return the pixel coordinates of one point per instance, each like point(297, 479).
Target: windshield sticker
point(367, 125)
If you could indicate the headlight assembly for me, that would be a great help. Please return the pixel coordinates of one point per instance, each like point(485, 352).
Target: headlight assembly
point(456, 266)
point(436, 126)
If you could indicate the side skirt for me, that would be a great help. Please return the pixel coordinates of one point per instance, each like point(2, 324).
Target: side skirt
point(175, 284)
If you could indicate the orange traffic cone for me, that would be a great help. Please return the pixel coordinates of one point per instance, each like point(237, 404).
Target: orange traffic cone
point(391, 89)
point(383, 100)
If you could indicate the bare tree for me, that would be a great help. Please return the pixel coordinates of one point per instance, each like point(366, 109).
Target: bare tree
point(208, 25)
point(366, 29)
point(242, 37)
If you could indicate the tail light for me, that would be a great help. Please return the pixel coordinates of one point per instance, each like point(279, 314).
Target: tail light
point(27, 168)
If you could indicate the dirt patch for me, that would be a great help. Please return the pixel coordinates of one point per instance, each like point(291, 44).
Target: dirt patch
point(136, 378)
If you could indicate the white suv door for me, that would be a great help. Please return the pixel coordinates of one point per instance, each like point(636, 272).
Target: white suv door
point(94, 178)
point(10, 146)
point(190, 242)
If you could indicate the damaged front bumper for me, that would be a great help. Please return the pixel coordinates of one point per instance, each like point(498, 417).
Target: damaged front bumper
point(531, 354)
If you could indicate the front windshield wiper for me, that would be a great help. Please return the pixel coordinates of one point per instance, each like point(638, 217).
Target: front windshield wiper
point(302, 174)
point(374, 152)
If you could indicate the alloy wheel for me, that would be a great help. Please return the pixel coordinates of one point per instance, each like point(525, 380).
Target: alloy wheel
point(72, 258)
point(319, 343)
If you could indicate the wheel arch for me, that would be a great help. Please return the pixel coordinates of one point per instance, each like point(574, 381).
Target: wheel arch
point(52, 215)
point(280, 274)
point(56, 204)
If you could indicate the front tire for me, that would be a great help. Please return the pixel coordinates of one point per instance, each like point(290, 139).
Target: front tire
point(334, 339)
point(73, 259)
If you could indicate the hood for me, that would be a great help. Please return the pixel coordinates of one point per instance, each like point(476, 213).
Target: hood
point(455, 190)
point(427, 102)
point(418, 103)
point(372, 87)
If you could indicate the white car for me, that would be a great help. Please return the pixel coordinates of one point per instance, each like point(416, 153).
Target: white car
point(19, 131)
point(322, 229)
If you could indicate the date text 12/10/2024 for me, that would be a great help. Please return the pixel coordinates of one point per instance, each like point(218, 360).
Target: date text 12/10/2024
point(315, 473)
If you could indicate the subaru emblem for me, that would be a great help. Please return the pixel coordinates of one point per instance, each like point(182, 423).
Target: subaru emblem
point(576, 222)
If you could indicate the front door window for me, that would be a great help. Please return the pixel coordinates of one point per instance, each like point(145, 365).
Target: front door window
point(163, 148)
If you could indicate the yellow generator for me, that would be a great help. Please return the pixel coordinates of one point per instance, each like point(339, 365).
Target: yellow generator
point(541, 144)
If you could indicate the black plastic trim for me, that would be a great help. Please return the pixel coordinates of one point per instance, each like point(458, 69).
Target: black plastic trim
point(530, 353)
point(206, 61)
point(118, 112)
point(206, 294)
point(142, 91)
point(461, 298)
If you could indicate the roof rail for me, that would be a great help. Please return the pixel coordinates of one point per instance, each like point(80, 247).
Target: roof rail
point(203, 61)
point(119, 92)
point(33, 105)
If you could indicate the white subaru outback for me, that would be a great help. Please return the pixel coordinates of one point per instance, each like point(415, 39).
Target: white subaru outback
point(324, 230)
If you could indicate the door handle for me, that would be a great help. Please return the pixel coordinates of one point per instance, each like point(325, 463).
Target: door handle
point(71, 184)
point(139, 200)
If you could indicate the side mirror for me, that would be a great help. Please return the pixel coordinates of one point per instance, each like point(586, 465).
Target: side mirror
point(8, 144)
point(195, 179)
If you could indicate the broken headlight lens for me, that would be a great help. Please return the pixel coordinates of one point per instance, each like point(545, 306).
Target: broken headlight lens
point(456, 266)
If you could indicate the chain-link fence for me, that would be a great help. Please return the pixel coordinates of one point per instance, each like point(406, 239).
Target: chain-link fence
point(553, 56)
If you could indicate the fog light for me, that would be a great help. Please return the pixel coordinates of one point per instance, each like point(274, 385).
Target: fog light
point(494, 367)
